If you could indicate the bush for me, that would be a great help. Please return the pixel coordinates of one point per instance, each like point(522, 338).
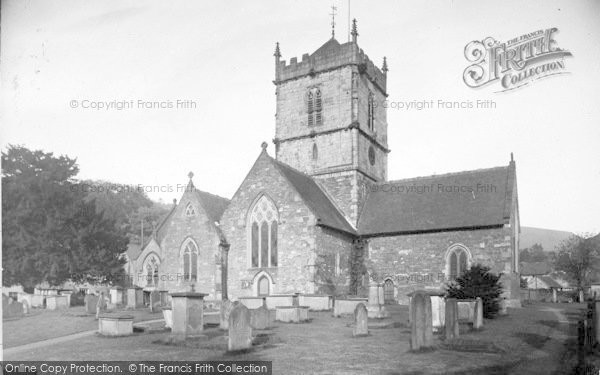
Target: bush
point(478, 282)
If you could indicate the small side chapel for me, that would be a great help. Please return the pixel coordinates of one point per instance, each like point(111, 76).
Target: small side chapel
point(321, 216)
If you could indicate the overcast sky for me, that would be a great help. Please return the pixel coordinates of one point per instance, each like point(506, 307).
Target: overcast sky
point(57, 54)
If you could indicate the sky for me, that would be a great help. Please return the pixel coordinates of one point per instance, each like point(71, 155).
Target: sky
point(61, 60)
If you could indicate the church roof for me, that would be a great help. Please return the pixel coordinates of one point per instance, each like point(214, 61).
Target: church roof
point(213, 205)
point(442, 202)
point(133, 251)
point(315, 198)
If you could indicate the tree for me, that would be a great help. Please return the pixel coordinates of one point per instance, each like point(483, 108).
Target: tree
point(475, 282)
point(50, 232)
point(535, 253)
point(578, 257)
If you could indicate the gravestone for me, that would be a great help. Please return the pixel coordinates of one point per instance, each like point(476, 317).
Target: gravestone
point(154, 301)
point(478, 316)
point(421, 332)
point(90, 302)
point(503, 310)
point(259, 318)
point(554, 296)
point(375, 307)
point(596, 323)
point(226, 307)
point(240, 330)
point(135, 297)
point(100, 305)
point(361, 326)
point(451, 319)
point(26, 306)
point(581, 297)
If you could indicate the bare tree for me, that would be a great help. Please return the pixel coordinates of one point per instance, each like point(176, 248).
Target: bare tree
point(578, 257)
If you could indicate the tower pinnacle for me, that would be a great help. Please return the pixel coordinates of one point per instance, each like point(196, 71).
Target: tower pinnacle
point(354, 31)
point(277, 53)
point(384, 68)
point(333, 14)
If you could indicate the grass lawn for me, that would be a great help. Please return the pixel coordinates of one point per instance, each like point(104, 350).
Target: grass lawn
point(43, 324)
point(326, 346)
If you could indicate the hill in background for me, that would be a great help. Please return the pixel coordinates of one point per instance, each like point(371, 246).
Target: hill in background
point(548, 238)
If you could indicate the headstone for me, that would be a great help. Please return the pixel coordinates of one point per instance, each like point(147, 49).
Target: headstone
point(168, 316)
point(421, 335)
point(451, 319)
point(226, 307)
point(259, 318)
point(90, 302)
point(188, 314)
point(554, 297)
point(296, 300)
point(25, 306)
point(596, 323)
point(581, 297)
point(100, 305)
point(361, 326)
point(154, 301)
point(478, 316)
point(116, 295)
point(240, 330)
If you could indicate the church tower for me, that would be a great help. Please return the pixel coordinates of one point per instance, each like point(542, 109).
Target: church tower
point(331, 121)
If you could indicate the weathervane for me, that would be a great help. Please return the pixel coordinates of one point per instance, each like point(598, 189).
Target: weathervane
point(333, 14)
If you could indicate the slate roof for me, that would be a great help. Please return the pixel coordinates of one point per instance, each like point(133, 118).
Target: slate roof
point(392, 208)
point(315, 198)
point(213, 205)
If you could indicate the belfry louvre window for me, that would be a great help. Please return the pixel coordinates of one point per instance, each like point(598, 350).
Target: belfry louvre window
point(314, 107)
point(371, 111)
point(263, 233)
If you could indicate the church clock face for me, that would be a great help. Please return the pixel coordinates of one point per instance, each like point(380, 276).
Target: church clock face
point(371, 155)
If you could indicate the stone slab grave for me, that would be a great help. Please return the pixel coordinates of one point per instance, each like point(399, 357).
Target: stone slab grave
point(291, 314)
point(115, 324)
point(116, 295)
point(466, 310)
point(421, 327)
point(452, 327)
point(240, 329)
point(361, 324)
point(90, 301)
point(56, 302)
point(316, 302)
point(252, 302)
point(346, 306)
point(259, 317)
point(188, 314)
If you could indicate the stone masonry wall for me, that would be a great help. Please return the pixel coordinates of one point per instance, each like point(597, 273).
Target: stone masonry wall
point(333, 260)
point(296, 235)
point(418, 261)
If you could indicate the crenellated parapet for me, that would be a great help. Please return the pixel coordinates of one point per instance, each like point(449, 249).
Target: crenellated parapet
point(332, 55)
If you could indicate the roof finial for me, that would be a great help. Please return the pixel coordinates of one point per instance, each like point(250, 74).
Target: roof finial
point(264, 146)
point(354, 31)
point(384, 68)
point(191, 175)
point(511, 157)
point(333, 14)
point(277, 53)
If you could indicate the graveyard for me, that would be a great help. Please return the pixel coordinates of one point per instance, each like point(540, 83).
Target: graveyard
point(525, 338)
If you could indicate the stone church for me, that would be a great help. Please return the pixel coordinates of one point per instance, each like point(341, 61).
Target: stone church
point(319, 215)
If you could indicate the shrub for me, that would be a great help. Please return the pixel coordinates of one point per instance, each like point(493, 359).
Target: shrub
point(478, 282)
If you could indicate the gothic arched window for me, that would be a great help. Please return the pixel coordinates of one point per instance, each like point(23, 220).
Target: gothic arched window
point(371, 112)
point(190, 261)
point(314, 105)
point(457, 261)
point(263, 233)
point(189, 210)
point(151, 270)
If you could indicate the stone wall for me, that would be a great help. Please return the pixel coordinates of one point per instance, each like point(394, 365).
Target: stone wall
point(418, 261)
point(333, 251)
point(296, 235)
